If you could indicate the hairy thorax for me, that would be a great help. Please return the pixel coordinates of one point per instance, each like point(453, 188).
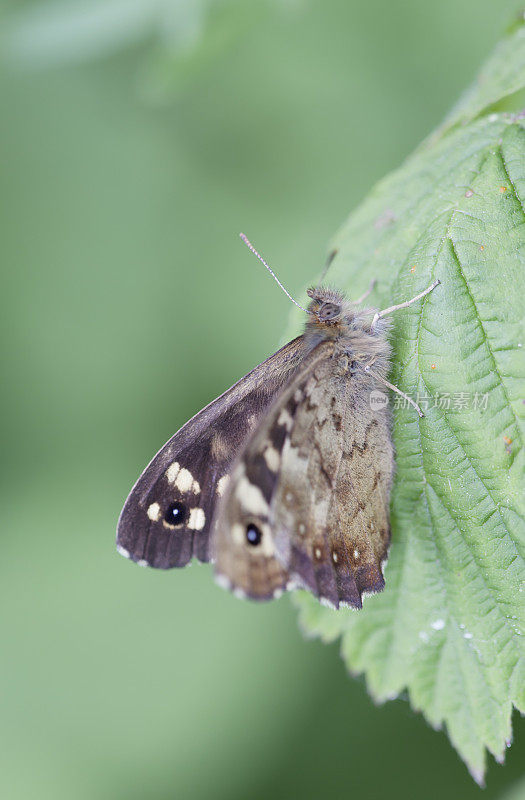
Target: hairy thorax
point(358, 343)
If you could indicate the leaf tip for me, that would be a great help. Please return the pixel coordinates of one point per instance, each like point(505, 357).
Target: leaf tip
point(478, 774)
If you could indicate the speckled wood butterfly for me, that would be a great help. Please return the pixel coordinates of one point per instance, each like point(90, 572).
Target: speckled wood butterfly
point(284, 480)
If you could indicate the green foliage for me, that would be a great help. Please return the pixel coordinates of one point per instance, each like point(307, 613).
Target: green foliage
point(449, 626)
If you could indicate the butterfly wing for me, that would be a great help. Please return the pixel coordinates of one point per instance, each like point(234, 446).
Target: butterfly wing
point(167, 517)
point(314, 479)
point(254, 568)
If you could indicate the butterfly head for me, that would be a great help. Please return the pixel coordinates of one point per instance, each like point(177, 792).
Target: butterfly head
point(328, 307)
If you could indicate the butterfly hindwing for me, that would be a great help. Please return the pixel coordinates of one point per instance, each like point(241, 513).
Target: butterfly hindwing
point(167, 517)
point(315, 479)
point(333, 494)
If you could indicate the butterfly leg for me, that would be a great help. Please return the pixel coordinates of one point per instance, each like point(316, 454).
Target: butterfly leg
point(365, 295)
point(389, 310)
point(395, 389)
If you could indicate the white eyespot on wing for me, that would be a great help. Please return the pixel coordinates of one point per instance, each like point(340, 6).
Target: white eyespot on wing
point(197, 519)
point(335, 557)
point(221, 485)
point(277, 593)
point(184, 480)
point(356, 554)
point(172, 472)
point(318, 552)
point(302, 527)
point(122, 551)
point(142, 563)
point(285, 419)
point(153, 512)
point(272, 458)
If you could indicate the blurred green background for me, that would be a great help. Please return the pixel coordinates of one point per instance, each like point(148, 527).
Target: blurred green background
point(138, 139)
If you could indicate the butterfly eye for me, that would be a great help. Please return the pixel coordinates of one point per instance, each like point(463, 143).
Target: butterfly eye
point(253, 535)
point(176, 514)
point(329, 311)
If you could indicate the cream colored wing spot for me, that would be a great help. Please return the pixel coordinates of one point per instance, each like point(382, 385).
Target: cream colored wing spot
point(122, 551)
point(221, 485)
point(142, 563)
point(285, 419)
point(335, 557)
point(318, 552)
point(172, 471)
point(197, 519)
point(251, 497)
point(153, 512)
point(238, 534)
point(356, 554)
point(272, 458)
point(184, 480)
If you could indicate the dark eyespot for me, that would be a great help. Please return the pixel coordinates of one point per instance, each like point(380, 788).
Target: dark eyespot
point(253, 535)
point(176, 514)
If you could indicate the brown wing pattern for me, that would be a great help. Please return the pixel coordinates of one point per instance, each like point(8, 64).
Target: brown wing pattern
point(332, 499)
point(186, 473)
point(322, 463)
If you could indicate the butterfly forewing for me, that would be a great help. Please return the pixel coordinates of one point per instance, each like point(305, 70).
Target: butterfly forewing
point(167, 517)
point(249, 564)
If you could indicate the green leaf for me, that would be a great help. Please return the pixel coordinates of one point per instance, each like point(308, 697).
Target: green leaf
point(448, 629)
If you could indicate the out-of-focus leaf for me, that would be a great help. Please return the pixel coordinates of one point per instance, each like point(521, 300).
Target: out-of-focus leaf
point(57, 31)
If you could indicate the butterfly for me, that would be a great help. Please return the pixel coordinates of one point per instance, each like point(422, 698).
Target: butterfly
point(283, 481)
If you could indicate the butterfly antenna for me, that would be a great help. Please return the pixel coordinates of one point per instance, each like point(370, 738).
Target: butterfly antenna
point(270, 270)
point(327, 266)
